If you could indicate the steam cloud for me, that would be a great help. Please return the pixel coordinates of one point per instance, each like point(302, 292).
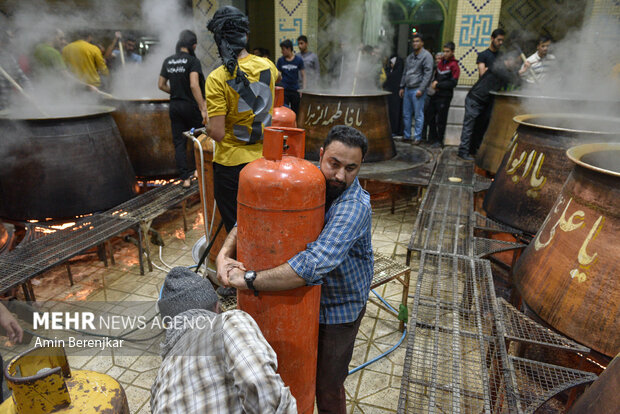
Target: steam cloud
point(32, 22)
point(582, 74)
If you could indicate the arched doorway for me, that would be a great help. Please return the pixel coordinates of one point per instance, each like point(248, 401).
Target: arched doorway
point(426, 17)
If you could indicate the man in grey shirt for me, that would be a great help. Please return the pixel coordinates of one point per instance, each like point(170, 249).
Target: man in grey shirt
point(311, 63)
point(416, 78)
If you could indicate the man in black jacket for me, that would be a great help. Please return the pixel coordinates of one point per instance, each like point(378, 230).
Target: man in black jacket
point(503, 71)
point(447, 77)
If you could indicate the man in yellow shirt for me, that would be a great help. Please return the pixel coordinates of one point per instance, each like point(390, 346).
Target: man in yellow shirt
point(240, 95)
point(85, 60)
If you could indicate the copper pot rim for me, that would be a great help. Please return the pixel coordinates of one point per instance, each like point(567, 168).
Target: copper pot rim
point(527, 120)
point(343, 95)
point(577, 152)
point(577, 99)
point(95, 110)
point(139, 100)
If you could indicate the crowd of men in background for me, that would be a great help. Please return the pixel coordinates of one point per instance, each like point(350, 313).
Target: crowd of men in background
point(80, 63)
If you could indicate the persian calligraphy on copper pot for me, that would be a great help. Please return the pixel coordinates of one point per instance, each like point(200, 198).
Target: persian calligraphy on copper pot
point(535, 165)
point(568, 275)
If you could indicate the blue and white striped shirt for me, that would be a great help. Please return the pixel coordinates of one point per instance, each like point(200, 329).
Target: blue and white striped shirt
point(341, 258)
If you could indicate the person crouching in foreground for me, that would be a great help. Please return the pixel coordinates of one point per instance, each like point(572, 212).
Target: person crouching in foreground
point(224, 365)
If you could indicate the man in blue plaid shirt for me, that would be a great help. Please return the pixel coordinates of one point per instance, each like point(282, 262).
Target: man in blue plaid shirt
point(340, 259)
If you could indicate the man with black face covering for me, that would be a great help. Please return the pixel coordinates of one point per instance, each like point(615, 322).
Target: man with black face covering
point(341, 260)
point(240, 95)
point(187, 104)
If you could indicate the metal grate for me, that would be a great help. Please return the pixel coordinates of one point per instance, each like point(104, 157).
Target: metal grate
point(386, 269)
point(35, 257)
point(485, 247)
point(519, 327)
point(448, 199)
point(536, 382)
point(452, 356)
point(454, 174)
point(153, 203)
point(228, 302)
point(485, 223)
point(442, 233)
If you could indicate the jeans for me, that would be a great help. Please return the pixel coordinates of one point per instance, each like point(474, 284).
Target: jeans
point(412, 103)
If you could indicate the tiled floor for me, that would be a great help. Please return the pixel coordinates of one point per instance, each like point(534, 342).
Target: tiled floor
point(374, 389)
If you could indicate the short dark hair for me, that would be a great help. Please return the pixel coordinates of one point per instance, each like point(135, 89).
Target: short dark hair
point(498, 32)
point(287, 44)
point(349, 136)
point(303, 38)
point(449, 45)
point(543, 39)
point(418, 35)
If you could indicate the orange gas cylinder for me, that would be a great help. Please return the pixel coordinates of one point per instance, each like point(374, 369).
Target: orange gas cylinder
point(282, 116)
point(280, 209)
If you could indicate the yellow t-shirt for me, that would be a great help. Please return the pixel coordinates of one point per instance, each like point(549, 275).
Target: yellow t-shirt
point(248, 109)
point(86, 61)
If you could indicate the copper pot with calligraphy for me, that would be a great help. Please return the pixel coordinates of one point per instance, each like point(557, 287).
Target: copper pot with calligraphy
point(144, 124)
point(535, 165)
point(367, 112)
point(568, 274)
point(507, 105)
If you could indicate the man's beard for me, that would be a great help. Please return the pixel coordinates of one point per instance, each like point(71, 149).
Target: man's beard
point(333, 189)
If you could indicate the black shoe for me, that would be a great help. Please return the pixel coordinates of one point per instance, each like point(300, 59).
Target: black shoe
point(465, 157)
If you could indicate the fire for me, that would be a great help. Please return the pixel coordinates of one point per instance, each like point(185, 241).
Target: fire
point(199, 222)
point(179, 234)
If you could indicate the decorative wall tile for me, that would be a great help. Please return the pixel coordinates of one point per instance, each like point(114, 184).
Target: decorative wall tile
point(475, 21)
point(294, 18)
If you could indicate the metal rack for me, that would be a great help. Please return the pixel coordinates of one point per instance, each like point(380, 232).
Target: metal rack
point(457, 352)
point(452, 352)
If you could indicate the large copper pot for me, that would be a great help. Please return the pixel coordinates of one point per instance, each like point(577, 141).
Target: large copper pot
point(507, 105)
point(144, 125)
point(63, 165)
point(568, 275)
point(535, 166)
point(368, 112)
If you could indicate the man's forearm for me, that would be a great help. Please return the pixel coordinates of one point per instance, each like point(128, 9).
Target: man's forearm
point(282, 277)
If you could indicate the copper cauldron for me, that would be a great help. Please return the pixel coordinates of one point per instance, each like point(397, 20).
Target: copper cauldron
point(368, 112)
point(144, 125)
point(69, 163)
point(535, 166)
point(568, 275)
point(507, 105)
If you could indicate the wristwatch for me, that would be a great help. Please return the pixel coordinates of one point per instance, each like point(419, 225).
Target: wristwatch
point(250, 277)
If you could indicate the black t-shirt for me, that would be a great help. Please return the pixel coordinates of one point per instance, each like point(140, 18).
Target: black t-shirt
point(176, 69)
point(487, 57)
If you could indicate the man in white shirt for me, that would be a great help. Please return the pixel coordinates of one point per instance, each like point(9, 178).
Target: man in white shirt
point(536, 67)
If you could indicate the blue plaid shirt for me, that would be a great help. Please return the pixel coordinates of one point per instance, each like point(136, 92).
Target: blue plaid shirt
point(341, 258)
